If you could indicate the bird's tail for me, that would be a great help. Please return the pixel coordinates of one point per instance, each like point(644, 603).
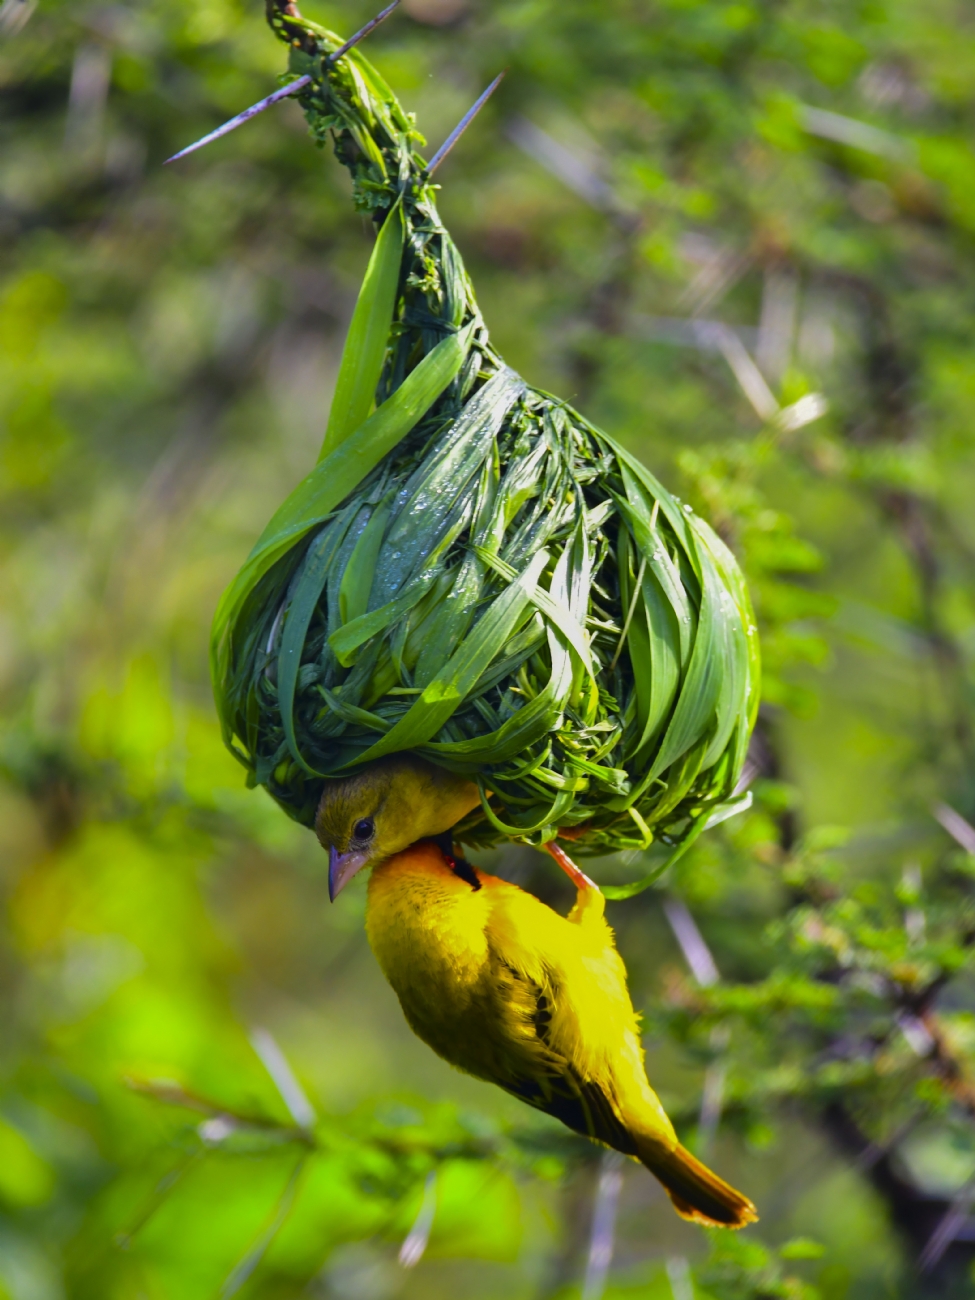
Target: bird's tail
point(697, 1193)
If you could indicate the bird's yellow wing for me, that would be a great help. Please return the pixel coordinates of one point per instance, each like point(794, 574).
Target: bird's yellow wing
point(545, 970)
point(570, 1013)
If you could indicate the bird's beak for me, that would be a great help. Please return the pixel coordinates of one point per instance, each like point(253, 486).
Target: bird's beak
point(341, 868)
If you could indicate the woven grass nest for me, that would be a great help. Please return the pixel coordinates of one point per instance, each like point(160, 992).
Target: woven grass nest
point(472, 571)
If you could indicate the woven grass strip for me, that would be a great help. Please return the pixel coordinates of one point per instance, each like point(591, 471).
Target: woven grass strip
point(473, 571)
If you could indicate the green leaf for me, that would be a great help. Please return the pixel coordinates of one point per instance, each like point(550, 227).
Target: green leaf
point(442, 479)
point(555, 610)
point(733, 657)
point(802, 1248)
point(535, 720)
point(365, 345)
point(454, 616)
point(734, 580)
point(694, 712)
point(332, 480)
point(444, 695)
point(615, 892)
point(346, 640)
point(26, 1179)
point(430, 549)
point(356, 581)
point(640, 516)
point(352, 712)
point(308, 587)
point(551, 816)
point(663, 652)
point(669, 507)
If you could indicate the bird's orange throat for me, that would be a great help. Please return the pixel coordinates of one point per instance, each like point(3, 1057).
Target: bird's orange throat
point(427, 928)
point(420, 911)
point(421, 876)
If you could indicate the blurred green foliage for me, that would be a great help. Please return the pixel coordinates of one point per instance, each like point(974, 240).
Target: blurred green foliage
point(662, 201)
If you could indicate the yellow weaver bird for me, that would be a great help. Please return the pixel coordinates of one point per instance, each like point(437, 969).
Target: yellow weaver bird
point(499, 984)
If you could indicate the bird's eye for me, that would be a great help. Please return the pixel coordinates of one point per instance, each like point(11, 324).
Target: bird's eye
point(363, 829)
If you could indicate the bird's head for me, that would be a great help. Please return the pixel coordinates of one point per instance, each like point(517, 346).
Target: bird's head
point(367, 818)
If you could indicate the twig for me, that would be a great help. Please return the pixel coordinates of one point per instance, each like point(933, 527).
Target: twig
point(950, 1069)
point(276, 1063)
point(855, 134)
point(602, 1242)
point(875, 1151)
point(14, 15)
point(696, 952)
point(247, 1265)
point(221, 1120)
point(712, 1094)
point(417, 1239)
point(698, 956)
point(566, 166)
point(750, 378)
point(960, 830)
point(679, 1277)
point(156, 1198)
point(371, 25)
point(946, 1231)
point(291, 88)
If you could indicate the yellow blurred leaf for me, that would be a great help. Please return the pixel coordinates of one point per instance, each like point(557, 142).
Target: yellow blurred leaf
point(25, 1178)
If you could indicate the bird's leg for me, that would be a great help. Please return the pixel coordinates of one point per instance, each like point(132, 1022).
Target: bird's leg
point(575, 874)
point(590, 902)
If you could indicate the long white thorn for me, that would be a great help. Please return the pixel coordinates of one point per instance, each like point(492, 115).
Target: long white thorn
point(463, 124)
point(292, 88)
